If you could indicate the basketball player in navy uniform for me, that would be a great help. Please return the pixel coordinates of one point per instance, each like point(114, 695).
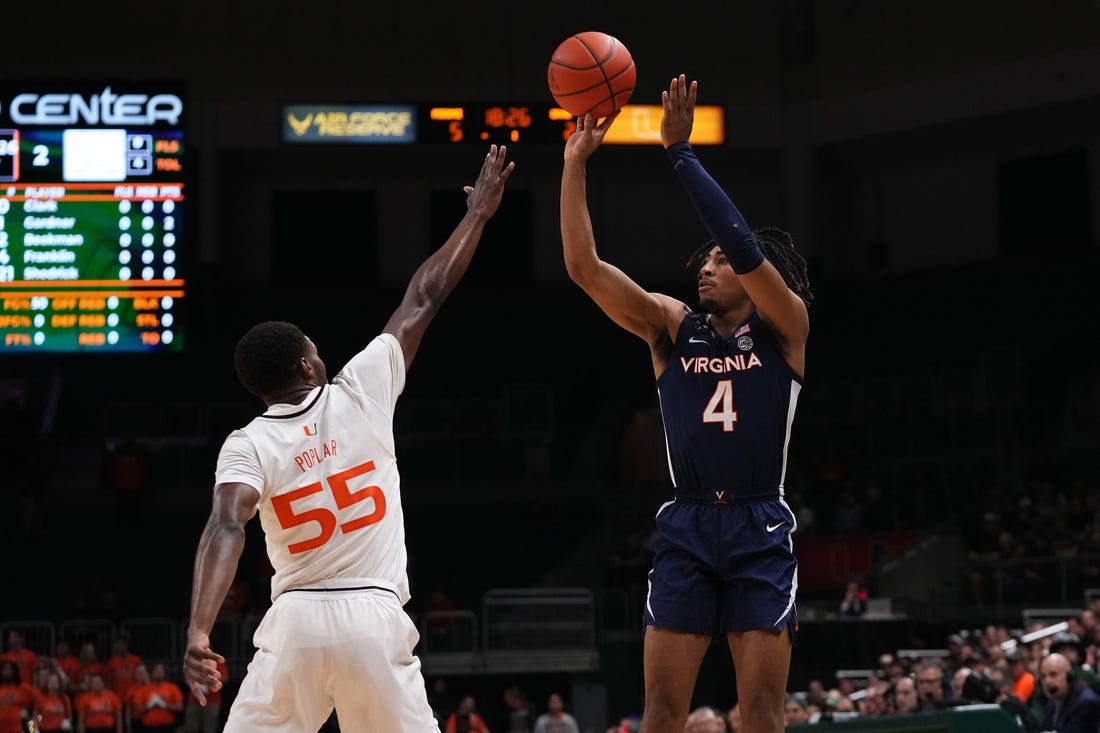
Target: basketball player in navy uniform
point(728, 379)
point(320, 470)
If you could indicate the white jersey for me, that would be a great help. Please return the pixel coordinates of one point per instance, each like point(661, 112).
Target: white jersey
point(326, 470)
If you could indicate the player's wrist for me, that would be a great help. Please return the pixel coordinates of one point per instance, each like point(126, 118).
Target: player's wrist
point(677, 148)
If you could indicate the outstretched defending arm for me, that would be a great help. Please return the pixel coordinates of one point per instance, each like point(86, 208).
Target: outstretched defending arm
point(434, 280)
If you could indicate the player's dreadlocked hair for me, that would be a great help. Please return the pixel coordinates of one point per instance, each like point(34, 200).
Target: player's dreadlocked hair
point(778, 247)
point(267, 355)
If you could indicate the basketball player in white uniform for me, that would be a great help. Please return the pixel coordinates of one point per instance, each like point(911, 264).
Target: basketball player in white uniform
point(319, 468)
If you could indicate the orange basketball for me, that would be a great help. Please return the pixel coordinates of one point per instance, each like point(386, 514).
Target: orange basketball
point(591, 72)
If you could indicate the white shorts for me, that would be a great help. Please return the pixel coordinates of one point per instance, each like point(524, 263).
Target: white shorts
point(317, 650)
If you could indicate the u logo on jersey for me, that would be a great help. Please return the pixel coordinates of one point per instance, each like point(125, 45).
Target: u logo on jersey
point(310, 431)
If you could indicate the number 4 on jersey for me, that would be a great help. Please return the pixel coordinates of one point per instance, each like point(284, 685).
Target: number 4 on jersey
point(719, 408)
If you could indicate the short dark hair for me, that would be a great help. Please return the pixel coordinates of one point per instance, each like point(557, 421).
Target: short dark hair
point(778, 248)
point(267, 355)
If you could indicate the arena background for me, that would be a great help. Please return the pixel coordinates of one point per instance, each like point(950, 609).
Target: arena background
point(936, 162)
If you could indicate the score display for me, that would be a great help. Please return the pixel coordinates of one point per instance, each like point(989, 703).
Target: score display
point(638, 124)
point(92, 207)
point(492, 123)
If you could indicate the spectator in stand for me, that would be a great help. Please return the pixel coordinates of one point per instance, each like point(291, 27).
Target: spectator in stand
point(876, 699)
point(894, 668)
point(626, 724)
point(38, 679)
point(556, 719)
point(994, 654)
point(155, 703)
point(958, 655)
point(1072, 706)
point(204, 719)
point(977, 662)
point(1070, 646)
point(89, 665)
point(843, 706)
point(465, 719)
point(931, 687)
point(121, 666)
point(1023, 681)
point(141, 684)
point(519, 714)
point(16, 698)
point(67, 663)
point(25, 659)
point(705, 719)
point(905, 698)
point(854, 603)
point(1090, 626)
point(53, 708)
point(845, 686)
point(816, 694)
point(98, 710)
point(795, 710)
point(958, 679)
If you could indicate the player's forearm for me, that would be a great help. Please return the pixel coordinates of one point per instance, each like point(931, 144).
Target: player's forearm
point(718, 213)
point(578, 240)
point(215, 566)
point(437, 276)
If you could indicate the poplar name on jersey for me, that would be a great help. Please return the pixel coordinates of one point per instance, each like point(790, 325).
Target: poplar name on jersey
point(311, 457)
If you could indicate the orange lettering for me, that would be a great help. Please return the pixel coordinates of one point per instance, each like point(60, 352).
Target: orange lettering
point(63, 304)
point(92, 320)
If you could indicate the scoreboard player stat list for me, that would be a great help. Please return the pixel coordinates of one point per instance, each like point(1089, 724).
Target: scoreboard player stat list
point(91, 221)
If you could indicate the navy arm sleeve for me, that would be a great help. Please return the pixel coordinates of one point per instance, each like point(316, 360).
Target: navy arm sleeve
point(717, 211)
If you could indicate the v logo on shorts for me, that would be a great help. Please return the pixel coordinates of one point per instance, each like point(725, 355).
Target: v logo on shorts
point(773, 527)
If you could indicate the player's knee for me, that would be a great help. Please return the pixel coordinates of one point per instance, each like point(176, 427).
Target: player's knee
point(660, 712)
point(764, 716)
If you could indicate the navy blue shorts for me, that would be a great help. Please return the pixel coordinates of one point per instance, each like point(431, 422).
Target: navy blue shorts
point(723, 568)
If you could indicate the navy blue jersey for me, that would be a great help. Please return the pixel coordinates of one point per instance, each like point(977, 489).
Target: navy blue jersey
point(727, 408)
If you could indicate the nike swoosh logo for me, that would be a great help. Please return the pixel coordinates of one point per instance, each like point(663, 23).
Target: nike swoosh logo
point(773, 527)
point(694, 340)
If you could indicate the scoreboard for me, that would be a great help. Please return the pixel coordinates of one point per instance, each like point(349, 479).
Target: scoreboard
point(92, 218)
point(507, 123)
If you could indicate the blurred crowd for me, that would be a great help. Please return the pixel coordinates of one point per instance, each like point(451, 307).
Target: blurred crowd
point(70, 689)
point(1043, 675)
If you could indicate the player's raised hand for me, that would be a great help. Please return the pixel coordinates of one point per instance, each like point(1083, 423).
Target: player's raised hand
point(484, 196)
point(679, 111)
point(588, 136)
